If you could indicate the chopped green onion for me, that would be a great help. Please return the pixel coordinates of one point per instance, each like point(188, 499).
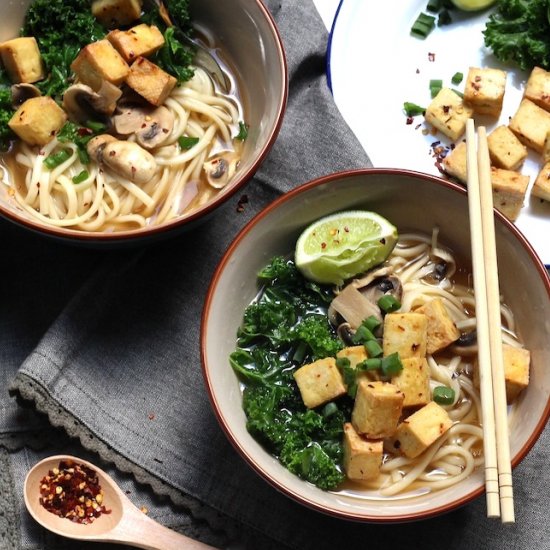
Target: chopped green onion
point(388, 303)
point(412, 109)
point(391, 364)
point(444, 395)
point(373, 363)
point(371, 322)
point(243, 131)
point(329, 409)
point(55, 159)
point(457, 78)
point(458, 93)
point(83, 176)
point(362, 335)
point(435, 87)
point(300, 352)
point(186, 142)
point(433, 5)
point(342, 362)
point(96, 126)
point(423, 25)
point(348, 374)
point(444, 18)
point(373, 348)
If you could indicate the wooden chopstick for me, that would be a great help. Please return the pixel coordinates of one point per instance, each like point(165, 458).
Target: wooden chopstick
point(498, 470)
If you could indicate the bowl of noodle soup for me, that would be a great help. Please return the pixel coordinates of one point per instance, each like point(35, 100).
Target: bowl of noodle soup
point(431, 216)
point(167, 163)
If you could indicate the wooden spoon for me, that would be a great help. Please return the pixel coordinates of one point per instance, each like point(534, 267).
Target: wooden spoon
point(125, 524)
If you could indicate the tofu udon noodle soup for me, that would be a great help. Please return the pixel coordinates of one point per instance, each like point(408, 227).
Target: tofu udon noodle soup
point(135, 138)
point(371, 388)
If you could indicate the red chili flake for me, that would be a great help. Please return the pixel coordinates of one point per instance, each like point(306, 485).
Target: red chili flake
point(84, 131)
point(410, 120)
point(151, 416)
point(431, 56)
point(417, 126)
point(323, 245)
point(72, 491)
point(346, 229)
point(446, 108)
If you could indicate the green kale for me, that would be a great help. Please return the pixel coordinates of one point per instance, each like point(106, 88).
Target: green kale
point(519, 31)
point(61, 28)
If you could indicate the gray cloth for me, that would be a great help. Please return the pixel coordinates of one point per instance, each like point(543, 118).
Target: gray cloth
point(105, 347)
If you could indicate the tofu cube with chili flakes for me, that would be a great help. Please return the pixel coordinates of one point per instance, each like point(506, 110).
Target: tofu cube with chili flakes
point(355, 354)
point(414, 382)
point(419, 430)
point(377, 408)
point(509, 189)
point(454, 163)
point(531, 125)
point(441, 329)
point(22, 60)
point(38, 120)
point(541, 187)
point(115, 13)
point(150, 81)
point(406, 334)
point(484, 90)
point(537, 88)
point(141, 40)
point(319, 382)
point(448, 113)
point(505, 149)
point(362, 457)
point(99, 61)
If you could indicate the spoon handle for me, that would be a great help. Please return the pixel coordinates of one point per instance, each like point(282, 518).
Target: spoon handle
point(140, 531)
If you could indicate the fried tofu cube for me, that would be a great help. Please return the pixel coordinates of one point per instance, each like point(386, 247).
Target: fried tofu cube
point(38, 120)
point(448, 113)
point(509, 189)
point(406, 334)
point(141, 40)
point(355, 354)
point(541, 187)
point(414, 382)
point(377, 408)
point(115, 13)
point(22, 60)
point(419, 430)
point(319, 382)
point(537, 88)
point(441, 329)
point(484, 90)
point(99, 61)
point(150, 81)
point(455, 163)
point(546, 149)
point(531, 125)
point(362, 457)
point(505, 149)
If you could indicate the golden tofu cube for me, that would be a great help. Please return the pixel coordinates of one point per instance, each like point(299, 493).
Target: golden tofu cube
point(537, 88)
point(441, 329)
point(150, 81)
point(541, 187)
point(448, 113)
point(99, 61)
point(141, 40)
point(319, 382)
point(516, 370)
point(406, 334)
point(355, 354)
point(484, 90)
point(38, 120)
point(362, 457)
point(531, 125)
point(505, 149)
point(509, 189)
point(414, 382)
point(377, 408)
point(115, 13)
point(22, 60)
point(418, 431)
point(455, 163)
point(546, 149)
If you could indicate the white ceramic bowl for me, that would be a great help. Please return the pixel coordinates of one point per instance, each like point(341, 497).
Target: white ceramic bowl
point(412, 201)
point(249, 41)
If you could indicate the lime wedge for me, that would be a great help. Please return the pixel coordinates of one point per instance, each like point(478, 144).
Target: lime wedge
point(342, 245)
point(473, 5)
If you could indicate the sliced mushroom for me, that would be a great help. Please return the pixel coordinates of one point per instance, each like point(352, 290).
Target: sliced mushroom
point(152, 126)
point(466, 345)
point(220, 169)
point(125, 158)
point(353, 307)
point(381, 286)
point(21, 92)
point(82, 103)
point(346, 333)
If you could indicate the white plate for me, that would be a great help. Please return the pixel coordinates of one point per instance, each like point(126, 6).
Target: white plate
point(375, 65)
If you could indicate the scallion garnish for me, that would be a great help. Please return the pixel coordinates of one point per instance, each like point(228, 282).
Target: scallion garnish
point(243, 131)
point(457, 78)
point(443, 395)
point(362, 335)
point(412, 109)
point(388, 303)
point(186, 142)
point(435, 87)
point(372, 363)
point(83, 176)
point(423, 25)
point(371, 322)
point(55, 159)
point(433, 5)
point(96, 126)
point(391, 364)
point(373, 348)
point(444, 18)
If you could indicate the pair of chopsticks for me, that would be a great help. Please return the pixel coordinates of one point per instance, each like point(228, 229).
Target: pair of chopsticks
point(496, 446)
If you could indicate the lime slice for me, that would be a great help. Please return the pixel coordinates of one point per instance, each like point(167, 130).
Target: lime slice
point(473, 5)
point(342, 245)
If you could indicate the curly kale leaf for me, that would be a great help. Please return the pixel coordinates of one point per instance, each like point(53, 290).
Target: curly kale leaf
point(519, 31)
point(6, 111)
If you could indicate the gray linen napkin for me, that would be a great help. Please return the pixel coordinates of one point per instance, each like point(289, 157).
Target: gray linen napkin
point(109, 349)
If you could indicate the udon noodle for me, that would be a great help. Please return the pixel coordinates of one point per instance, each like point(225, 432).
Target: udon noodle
point(106, 201)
